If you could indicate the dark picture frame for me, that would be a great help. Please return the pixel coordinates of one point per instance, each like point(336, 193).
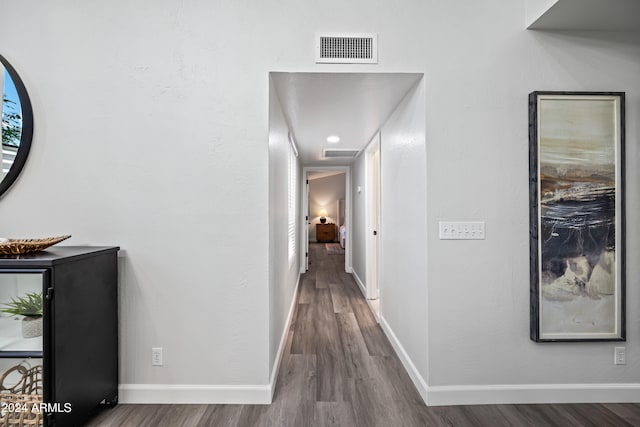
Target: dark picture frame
point(577, 216)
point(26, 134)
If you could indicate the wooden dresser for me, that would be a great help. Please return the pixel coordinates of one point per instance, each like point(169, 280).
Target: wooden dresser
point(325, 232)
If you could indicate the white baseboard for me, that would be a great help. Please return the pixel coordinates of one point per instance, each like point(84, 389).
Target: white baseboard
point(408, 364)
point(283, 341)
point(532, 394)
point(511, 394)
point(210, 394)
point(432, 395)
point(363, 289)
point(194, 394)
point(375, 310)
point(360, 284)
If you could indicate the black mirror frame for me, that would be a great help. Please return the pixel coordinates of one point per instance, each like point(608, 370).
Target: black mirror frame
point(27, 129)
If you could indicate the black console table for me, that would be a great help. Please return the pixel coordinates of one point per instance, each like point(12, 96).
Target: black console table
point(69, 367)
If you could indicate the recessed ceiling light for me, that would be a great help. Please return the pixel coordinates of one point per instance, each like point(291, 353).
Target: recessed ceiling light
point(333, 139)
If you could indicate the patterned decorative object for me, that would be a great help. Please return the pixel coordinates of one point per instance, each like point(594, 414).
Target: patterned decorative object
point(21, 410)
point(334, 249)
point(25, 246)
point(20, 402)
point(31, 326)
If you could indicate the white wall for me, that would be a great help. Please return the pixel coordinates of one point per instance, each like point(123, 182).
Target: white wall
point(151, 124)
point(324, 193)
point(358, 215)
point(479, 347)
point(151, 134)
point(537, 8)
point(283, 272)
point(403, 231)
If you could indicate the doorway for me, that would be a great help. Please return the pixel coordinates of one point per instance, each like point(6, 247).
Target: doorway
point(326, 202)
point(333, 118)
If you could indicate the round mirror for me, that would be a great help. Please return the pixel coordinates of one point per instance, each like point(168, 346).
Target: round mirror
point(17, 125)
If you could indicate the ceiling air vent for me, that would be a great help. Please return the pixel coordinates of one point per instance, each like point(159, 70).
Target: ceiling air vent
point(340, 152)
point(347, 48)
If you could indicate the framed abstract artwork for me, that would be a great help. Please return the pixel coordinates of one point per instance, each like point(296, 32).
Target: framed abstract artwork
point(577, 219)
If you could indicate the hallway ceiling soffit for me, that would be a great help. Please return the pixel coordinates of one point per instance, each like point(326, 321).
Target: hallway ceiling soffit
point(311, 175)
point(590, 15)
point(351, 105)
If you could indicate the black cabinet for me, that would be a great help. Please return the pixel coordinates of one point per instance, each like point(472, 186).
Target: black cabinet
point(60, 371)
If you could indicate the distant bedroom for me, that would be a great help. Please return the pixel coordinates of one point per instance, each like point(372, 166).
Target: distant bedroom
point(327, 214)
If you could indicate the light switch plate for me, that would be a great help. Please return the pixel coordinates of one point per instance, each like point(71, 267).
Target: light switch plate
point(461, 230)
point(620, 356)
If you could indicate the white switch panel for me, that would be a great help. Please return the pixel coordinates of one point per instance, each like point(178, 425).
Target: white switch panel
point(460, 230)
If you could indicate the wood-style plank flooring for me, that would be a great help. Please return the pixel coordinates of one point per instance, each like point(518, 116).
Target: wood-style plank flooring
point(339, 369)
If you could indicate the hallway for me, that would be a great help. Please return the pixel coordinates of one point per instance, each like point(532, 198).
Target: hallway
point(339, 364)
point(339, 369)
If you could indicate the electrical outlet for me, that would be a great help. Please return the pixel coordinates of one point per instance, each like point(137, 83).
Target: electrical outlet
point(156, 356)
point(620, 356)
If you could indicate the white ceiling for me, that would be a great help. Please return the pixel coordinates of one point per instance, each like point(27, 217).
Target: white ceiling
point(311, 175)
point(590, 15)
point(352, 106)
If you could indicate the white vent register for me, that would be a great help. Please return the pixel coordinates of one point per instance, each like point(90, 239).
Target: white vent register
point(346, 48)
point(339, 152)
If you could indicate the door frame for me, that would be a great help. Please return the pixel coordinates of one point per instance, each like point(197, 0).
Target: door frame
point(304, 242)
point(373, 203)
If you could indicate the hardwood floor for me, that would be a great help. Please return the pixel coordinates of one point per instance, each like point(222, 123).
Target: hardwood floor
point(339, 369)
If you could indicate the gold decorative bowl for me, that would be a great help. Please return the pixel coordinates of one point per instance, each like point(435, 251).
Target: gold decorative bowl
point(25, 246)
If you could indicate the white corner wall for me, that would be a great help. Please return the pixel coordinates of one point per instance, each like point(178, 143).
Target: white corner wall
point(403, 234)
point(150, 134)
point(536, 8)
point(283, 272)
point(358, 223)
point(151, 124)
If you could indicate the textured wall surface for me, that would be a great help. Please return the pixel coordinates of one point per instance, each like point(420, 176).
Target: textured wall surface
point(151, 132)
point(283, 270)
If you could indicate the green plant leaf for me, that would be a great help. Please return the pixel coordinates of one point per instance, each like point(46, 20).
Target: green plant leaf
point(29, 305)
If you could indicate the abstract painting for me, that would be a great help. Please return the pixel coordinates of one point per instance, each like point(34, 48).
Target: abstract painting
point(576, 171)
